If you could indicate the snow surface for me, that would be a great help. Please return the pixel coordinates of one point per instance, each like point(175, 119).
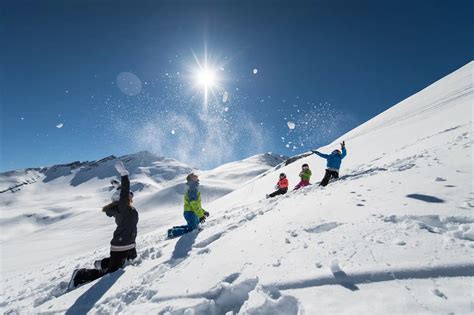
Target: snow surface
point(393, 235)
point(60, 206)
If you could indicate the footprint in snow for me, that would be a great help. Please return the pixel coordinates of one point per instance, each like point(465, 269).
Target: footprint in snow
point(209, 240)
point(293, 233)
point(325, 227)
point(231, 278)
point(438, 293)
point(400, 242)
point(342, 277)
point(204, 251)
point(277, 263)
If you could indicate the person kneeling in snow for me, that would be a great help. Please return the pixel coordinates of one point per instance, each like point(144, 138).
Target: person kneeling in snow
point(193, 212)
point(333, 163)
point(122, 246)
point(281, 186)
point(305, 176)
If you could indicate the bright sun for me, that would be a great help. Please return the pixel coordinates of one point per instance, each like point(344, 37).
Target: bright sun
point(206, 78)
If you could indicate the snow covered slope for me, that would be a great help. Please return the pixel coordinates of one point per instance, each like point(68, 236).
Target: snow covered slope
point(56, 210)
point(394, 235)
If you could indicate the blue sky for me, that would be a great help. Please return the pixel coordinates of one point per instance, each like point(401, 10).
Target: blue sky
point(326, 66)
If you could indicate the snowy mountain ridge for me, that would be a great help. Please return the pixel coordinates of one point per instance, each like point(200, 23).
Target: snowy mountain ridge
point(394, 235)
point(141, 162)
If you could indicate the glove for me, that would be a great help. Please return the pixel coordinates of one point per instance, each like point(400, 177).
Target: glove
point(121, 168)
point(343, 144)
point(115, 183)
point(202, 219)
point(276, 187)
point(206, 214)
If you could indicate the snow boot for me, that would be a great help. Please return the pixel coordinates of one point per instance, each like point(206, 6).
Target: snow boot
point(98, 264)
point(72, 284)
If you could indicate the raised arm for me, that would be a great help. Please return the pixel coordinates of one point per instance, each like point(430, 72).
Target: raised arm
point(325, 156)
point(343, 149)
point(125, 185)
point(124, 189)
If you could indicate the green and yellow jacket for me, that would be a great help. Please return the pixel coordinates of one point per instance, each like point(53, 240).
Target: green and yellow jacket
point(305, 175)
point(192, 200)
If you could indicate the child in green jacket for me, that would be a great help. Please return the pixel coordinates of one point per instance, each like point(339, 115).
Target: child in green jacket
point(305, 175)
point(193, 212)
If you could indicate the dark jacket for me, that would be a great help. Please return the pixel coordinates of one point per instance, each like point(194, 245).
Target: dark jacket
point(126, 218)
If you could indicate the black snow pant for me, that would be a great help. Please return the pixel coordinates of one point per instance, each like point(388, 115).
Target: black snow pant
point(328, 176)
point(110, 264)
point(280, 191)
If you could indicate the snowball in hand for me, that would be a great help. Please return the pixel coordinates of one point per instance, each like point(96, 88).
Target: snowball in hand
point(129, 83)
point(291, 125)
point(121, 168)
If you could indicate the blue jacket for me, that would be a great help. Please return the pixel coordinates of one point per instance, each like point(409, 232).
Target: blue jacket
point(334, 159)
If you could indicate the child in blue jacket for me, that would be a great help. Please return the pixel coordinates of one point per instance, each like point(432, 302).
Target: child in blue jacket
point(333, 163)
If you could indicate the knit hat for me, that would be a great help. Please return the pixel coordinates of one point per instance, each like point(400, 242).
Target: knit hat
point(191, 177)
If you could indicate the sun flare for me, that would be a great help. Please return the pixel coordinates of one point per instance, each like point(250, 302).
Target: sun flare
point(206, 78)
